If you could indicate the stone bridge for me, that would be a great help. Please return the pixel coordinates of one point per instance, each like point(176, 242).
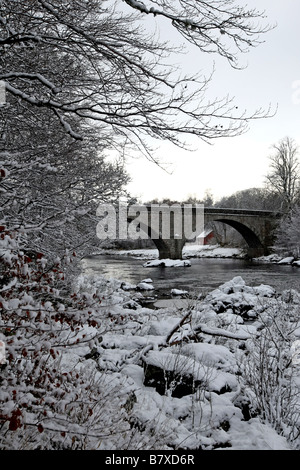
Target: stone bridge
point(256, 227)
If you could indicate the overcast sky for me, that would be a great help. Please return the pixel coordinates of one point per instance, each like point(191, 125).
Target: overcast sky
point(272, 76)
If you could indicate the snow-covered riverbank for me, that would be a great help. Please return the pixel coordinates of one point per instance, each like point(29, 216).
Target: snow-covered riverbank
point(188, 378)
point(204, 251)
point(189, 251)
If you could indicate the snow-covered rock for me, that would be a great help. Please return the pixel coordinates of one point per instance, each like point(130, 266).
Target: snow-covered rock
point(144, 286)
point(287, 260)
point(178, 292)
point(167, 263)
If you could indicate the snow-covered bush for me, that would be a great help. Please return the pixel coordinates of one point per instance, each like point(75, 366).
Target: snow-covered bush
point(268, 370)
point(50, 398)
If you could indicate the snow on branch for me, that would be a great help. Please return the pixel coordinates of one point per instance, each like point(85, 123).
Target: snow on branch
point(67, 126)
point(202, 328)
point(31, 76)
point(30, 99)
point(207, 330)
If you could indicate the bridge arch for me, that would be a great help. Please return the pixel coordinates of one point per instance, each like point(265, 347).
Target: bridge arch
point(247, 233)
point(167, 248)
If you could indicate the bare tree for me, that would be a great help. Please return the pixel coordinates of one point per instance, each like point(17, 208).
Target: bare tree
point(284, 176)
point(287, 234)
point(112, 72)
point(214, 27)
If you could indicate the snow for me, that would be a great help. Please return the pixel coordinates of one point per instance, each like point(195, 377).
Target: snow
point(189, 251)
point(210, 416)
point(277, 259)
point(178, 292)
point(287, 260)
point(144, 286)
point(205, 233)
point(211, 251)
point(210, 354)
point(174, 375)
point(167, 263)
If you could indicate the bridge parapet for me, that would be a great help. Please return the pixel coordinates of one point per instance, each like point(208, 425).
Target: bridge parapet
point(249, 212)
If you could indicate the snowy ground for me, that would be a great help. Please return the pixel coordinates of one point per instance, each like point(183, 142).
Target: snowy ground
point(189, 251)
point(179, 369)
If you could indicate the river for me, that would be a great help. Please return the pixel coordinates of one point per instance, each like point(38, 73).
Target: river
point(203, 275)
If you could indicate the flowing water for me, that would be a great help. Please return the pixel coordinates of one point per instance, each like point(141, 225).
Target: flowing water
point(202, 276)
